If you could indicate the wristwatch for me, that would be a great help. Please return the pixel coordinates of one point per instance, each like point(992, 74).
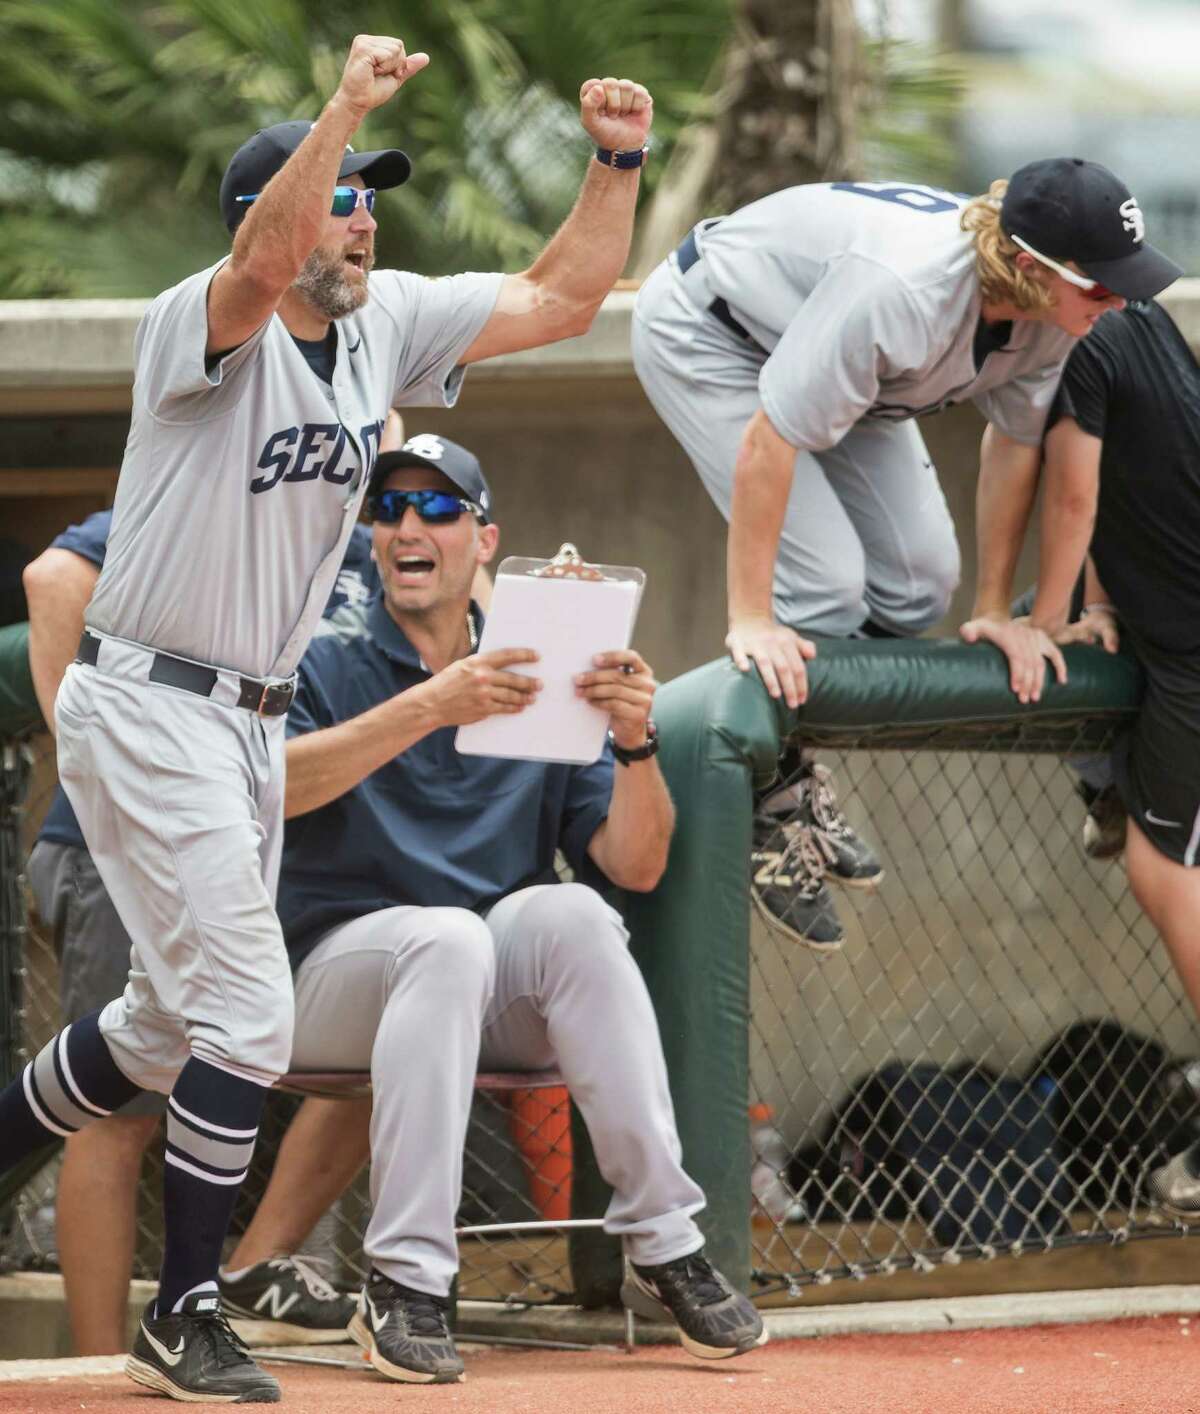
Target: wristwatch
point(622, 161)
point(626, 755)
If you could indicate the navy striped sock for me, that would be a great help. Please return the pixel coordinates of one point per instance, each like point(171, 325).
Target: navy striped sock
point(72, 1081)
point(212, 1123)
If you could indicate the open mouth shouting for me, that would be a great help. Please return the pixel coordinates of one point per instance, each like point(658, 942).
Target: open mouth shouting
point(413, 569)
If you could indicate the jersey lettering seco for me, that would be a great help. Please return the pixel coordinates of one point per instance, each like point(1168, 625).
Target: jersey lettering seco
point(241, 484)
point(866, 298)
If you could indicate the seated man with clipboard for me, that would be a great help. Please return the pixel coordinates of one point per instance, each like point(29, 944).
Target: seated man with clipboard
point(429, 935)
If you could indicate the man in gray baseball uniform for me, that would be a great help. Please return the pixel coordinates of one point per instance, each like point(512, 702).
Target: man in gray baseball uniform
point(790, 348)
point(430, 935)
point(260, 390)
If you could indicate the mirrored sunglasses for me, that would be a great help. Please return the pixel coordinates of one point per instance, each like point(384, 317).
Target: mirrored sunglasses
point(436, 507)
point(346, 200)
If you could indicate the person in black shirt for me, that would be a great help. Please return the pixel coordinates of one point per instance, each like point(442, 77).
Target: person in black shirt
point(1122, 474)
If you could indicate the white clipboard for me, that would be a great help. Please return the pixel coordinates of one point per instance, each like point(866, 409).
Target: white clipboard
point(567, 612)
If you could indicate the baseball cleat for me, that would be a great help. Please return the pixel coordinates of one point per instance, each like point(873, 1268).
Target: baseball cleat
point(195, 1357)
point(1175, 1187)
point(1104, 825)
point(787, 884)
point(715, 1321)
point(405, 1333)
point(290, 1297)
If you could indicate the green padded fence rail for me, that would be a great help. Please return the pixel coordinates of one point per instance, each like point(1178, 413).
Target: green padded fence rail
point(721, 737)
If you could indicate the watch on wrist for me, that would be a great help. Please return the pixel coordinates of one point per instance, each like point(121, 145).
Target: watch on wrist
point(622, 161)
point(626, 755)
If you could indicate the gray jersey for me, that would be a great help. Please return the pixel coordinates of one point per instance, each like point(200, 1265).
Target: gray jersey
point(241, 483)
point(866, 297)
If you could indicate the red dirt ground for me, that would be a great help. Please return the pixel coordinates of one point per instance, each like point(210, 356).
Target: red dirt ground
point(1136, 1367)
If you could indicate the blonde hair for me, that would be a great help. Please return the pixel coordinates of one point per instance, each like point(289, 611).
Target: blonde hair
point(1000, 278)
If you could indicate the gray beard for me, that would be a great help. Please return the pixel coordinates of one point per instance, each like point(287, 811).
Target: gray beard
point(323, 285)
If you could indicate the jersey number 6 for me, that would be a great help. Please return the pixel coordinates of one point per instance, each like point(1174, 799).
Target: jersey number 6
point(930, 199)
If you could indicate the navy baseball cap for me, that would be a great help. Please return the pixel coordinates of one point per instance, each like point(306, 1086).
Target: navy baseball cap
point(454, 462)
point(258, 159)
point(1070, 209)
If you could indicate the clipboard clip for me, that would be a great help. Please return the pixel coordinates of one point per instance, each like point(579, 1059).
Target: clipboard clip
point(567, 564)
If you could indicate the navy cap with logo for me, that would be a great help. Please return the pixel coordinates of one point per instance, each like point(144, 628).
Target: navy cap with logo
point(258, 159)
point(1070, 209)
point(454, 462)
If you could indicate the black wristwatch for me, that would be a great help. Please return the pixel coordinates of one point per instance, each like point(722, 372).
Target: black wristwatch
point(627, 755)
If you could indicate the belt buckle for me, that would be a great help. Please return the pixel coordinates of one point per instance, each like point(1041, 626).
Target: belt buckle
point(276, 697)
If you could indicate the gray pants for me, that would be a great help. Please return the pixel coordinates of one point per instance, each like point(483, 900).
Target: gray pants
point(867, 533)
point(89, 939)
point(180, 799)
point(425, 996)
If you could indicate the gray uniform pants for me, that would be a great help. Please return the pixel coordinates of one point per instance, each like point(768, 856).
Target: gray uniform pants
point(867, 533)
point(425, 996)
point(180, 799)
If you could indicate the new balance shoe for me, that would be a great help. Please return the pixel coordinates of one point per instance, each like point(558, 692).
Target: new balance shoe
point(850, 860)
point(1105, 824)
point(195, 1356)
point(1176, 1185)
point(715, 1321)
point(405, 1333)
point(295, 1300)
point(787, 884)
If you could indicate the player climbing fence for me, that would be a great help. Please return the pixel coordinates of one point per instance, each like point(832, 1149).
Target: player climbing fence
point(991, 1063)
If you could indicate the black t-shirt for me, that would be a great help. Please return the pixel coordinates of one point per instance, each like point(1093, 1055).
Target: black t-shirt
point(1134, 383)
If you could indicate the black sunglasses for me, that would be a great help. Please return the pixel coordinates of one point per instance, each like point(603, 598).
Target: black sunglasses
point(436, 507)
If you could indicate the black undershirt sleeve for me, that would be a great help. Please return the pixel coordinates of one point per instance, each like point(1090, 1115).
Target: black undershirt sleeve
point(1084, 391)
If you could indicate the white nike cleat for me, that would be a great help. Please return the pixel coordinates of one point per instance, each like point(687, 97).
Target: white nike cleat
point(196, 1358)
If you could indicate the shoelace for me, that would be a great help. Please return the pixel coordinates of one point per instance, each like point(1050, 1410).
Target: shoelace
point(824, 803)
point(314, 1283)
point(426, 1314)
point(702, 1283)
point(227, 1347)
point(806, 857)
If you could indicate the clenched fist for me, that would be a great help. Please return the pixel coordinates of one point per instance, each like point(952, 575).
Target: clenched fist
point(376, 67)
point(616, 113)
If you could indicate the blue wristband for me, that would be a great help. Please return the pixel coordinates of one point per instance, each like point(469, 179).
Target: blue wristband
point(622, 161)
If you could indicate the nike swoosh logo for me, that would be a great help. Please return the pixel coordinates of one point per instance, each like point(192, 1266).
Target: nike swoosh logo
point(1154, 820)
point(376, 1323)
point(172, 1357)
point(353, 348)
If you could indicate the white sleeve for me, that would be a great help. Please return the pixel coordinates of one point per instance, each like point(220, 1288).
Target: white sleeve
point(1020, 407)
point(859, 327)
point(171, 374)
point(436, 321)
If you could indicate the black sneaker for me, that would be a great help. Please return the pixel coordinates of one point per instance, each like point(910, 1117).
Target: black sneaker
point(405, 1333)
point(1105, 823)
point(196, 1357)
point(715, 1321)
point(1175, 1186)
point(293, 1299)
point(850, 860)
point(787, 884)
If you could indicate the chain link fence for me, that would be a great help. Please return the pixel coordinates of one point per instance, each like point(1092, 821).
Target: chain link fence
point(517, 1165)
point(991, 1064)
point(1000, 1052)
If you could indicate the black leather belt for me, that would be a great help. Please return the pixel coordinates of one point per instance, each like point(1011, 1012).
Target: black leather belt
point(268, 699)
point(687, 254)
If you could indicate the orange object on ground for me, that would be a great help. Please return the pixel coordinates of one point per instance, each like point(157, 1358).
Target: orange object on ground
point(541, 1129)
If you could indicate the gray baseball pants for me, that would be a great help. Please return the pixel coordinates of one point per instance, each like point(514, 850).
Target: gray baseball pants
point(425, 996)
point(180, 799)
point(867, 533)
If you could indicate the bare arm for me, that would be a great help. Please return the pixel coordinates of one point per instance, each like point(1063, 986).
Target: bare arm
point(286, 223)
point(1068, 516)
point(1008, 478)
point(325, 764)
point(762, 481)
point(558, 296)
point(631, 846)
point(58, 585)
